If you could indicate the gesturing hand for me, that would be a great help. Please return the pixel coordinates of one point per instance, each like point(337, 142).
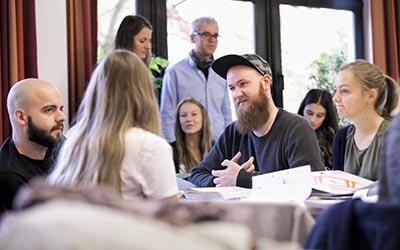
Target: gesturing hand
point(228, 176)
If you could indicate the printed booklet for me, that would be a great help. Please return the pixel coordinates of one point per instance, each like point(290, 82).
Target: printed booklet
point(337, 183)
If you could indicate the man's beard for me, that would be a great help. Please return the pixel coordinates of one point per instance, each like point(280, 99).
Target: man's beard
point(41, 136)
point(255, 115)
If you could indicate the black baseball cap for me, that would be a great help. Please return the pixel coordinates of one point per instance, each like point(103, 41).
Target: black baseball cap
point(224, 63)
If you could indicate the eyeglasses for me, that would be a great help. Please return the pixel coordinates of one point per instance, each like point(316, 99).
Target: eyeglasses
point(207, 35)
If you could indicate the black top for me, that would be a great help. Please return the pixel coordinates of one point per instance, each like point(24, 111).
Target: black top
point(176, 157)
point(17, 169)
point(339, 148)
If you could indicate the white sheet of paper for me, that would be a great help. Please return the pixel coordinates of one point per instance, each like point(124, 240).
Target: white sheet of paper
point(287, 185)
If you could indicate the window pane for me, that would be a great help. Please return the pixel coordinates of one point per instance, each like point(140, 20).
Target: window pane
point(109, 15)
point(322, 36)
point(237, 32)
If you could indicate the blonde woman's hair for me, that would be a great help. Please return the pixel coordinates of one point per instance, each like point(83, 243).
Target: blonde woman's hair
point(119, 96)
point(184, 155)
point(371, 77)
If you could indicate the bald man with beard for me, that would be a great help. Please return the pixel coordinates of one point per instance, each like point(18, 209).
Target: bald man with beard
point(35, 109)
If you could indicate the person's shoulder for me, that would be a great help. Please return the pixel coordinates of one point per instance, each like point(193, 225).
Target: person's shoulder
point(10, 176)
point(215, 77)
point(286, 118)
point(385, 126)
point(178, 65)
point(231, 133)
point(284, 113)
point(140, 134)
point(396, 120)
point(6, 145)
point(231, 129)
point(144, 138)
point(344, 129)
point(11, 180)
point(395, 124)
point(173, 145)
point(7, 154)
point(389, 125)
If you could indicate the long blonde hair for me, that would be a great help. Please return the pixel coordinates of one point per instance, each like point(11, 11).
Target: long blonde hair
point(370, 76)
point(119, 96)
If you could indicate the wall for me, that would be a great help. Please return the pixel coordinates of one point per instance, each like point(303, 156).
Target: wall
point(367, 31)
point(52, 45)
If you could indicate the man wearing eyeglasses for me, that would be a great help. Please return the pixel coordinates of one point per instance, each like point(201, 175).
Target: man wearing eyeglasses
point(193, 77)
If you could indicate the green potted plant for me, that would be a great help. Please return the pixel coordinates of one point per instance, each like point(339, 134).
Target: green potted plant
point(157, 67)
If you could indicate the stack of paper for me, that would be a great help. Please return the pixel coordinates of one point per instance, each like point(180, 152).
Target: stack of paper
point(216, 193)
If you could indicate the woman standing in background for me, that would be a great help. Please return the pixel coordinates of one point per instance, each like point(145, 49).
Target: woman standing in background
point(134, 34)
point(366, 97)
point(318, 109)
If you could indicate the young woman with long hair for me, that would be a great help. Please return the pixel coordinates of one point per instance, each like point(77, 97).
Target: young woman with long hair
point(318, 109)
point(366, 97)
point(192, 133)
point(115, 140)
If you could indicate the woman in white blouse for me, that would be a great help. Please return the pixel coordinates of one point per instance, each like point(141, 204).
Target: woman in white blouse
point(115, 140)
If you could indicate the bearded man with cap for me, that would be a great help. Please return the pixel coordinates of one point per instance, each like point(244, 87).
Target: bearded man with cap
point(264, 138)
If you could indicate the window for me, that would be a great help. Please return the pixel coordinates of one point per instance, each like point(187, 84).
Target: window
point(288, 42)
point(313, 39)
point(235, 20)
point(248, 26)
point(109, 16)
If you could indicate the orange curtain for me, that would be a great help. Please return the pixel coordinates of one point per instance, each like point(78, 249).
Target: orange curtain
point(17, 51)
point(82, 48)
point(385, 20)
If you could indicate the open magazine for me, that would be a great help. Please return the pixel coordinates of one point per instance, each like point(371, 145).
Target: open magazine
point(337, 183)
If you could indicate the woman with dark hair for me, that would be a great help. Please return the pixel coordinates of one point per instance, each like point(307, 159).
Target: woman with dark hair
point(134, 34)
point(318, 109)
point(193, 135)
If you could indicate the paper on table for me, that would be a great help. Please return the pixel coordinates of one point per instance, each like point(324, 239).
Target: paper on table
point(338, 182)
point(216, 193)
point(287, 185)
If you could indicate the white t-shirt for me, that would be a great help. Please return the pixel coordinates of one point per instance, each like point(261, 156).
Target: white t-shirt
point(147, 169)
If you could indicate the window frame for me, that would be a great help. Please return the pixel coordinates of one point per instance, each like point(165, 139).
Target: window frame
point(267, 22)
